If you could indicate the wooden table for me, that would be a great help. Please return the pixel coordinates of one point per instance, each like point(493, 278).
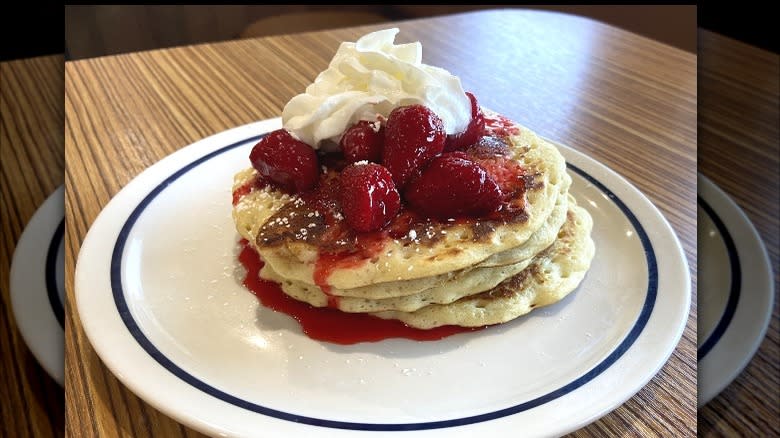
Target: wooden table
point(33, 162)
point(738, 151)
point(627, 101)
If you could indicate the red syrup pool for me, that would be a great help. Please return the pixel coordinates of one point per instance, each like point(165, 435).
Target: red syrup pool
point(328, 324)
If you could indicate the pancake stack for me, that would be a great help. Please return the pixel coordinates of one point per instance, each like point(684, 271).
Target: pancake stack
point(469, 272)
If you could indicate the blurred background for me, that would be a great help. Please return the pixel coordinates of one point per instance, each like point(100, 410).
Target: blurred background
point(98, 30)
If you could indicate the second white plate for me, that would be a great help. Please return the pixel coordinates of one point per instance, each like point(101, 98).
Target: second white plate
point(37, 280)
point(736, 290)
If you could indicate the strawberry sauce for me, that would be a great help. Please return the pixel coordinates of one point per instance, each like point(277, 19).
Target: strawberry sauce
point(331, 325)
point(500, 126)
point(328, 262)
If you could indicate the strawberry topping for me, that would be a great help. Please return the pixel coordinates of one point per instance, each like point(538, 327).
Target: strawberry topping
point(453, 186)
point(363, 141)
point(476, 176)
point(368, 196)
point(288, 163)
point(413, 137)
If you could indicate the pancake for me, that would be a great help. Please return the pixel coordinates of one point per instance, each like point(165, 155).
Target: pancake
point(449, 289)
point(552, 275)
point(458, 286)
point(541, 239)
point(287, 232)
point(410, 295)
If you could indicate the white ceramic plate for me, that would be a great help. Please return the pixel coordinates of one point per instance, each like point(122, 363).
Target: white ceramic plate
point(736, 290)
point(158, 290)
point(37, 282)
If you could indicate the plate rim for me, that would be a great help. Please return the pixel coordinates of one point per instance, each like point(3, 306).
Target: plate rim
point(639, 197)
point(758, 272)
point(39, 278)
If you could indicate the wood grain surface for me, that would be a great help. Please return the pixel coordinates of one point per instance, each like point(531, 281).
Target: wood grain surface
point(32, 161)
point(738, 151)
point(627, 101)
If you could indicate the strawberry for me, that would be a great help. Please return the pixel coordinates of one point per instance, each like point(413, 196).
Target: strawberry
point(288, 163)
point(362, 142)
point(473, 131)
point(453, 186)
point(369, 198)
point(414, 135)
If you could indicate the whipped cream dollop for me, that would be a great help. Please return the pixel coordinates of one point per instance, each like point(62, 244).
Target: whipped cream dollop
point(368, 79)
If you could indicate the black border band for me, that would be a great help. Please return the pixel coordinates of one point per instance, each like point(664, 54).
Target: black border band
point(57, 306)
point(734, 288)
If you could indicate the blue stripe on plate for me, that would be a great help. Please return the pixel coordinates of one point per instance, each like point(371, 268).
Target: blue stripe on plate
point(734, 288)
point(51, 274)
point(134, 329)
